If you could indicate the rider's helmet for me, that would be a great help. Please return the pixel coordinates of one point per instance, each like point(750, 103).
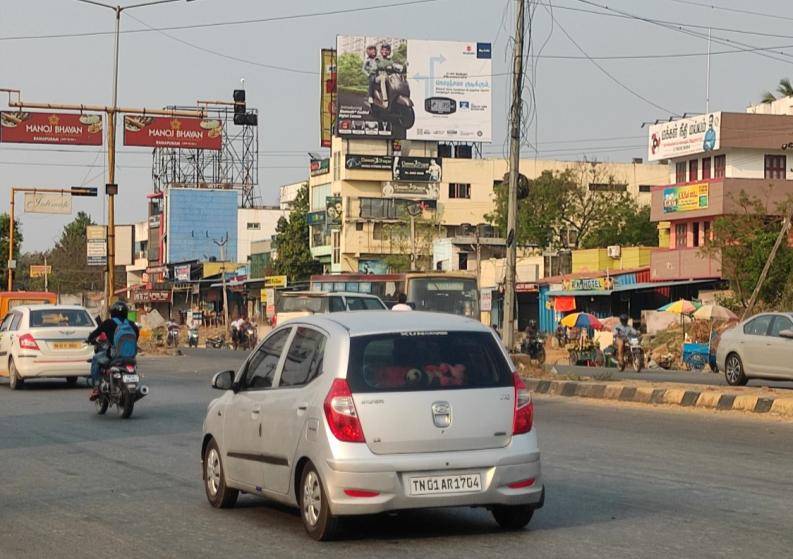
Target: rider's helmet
point(624, 319)
point(119, 310)
point(532, 323)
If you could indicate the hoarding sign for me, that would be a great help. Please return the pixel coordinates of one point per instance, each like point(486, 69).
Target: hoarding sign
point(371, 267)
point(151, 297)
point(39, 270)
point(394, 88)
point(319, 167)
point(315, 218)
point(51, 128)
point(486, 299)
point(274, 281)
point(686, 136)
point(95, 232)
point(423, 169)
point(96, 252)
point(182, 273)
point(686, 198)
point(174, 132)
point(426, 191)
point(369, 162)
point(333, 210)
point(327, 97)
point(47, 203)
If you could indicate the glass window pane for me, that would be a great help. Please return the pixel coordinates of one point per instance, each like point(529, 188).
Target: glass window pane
point(781, 323)
point(304, 358)
point(262, 366)
point(758, 326)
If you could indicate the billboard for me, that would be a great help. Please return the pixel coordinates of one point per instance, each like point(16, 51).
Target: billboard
point(685, 198)
point(173, 132)
point(422, 169)
point(51, 128)
point(393, 88)
point(686, 136)
point(327, 96)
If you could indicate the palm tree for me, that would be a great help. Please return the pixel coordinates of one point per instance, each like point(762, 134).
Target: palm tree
point(785, 89)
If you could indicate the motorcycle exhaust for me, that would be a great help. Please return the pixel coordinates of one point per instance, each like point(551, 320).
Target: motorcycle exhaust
point(141, 392)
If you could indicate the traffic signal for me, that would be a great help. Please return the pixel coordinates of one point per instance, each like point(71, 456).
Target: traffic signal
point(82, 191)
point(239, 102)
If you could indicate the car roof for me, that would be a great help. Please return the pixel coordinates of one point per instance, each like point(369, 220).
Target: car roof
point(47, 307)
point(327, 294)
point(361, 323)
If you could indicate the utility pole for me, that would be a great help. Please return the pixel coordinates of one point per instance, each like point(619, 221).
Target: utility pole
point(11, 264)
point(783, 233)
point(222, 246)
point(514, 174)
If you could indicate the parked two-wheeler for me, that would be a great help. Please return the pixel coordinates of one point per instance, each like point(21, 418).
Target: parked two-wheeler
point(215, 342)
point(391, 100)
point(633, 354)
point(248, 337)
point(192, 337)
point(535, 348)
point(172, 340)
point(119, 384)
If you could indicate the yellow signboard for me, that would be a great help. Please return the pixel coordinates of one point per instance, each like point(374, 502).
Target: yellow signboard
point(263, 295)
point(275, 281)
point(39, 271)
point(686, 198)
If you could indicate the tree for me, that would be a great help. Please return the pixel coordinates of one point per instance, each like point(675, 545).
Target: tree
point(5, 220)
point(631, 227)
point(291, 242)
point(785, 89)
point(70, 271)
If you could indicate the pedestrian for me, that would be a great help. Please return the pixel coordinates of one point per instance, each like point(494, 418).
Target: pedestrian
point(402, 303)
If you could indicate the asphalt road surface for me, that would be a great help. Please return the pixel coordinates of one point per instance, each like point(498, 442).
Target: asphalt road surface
point(621, 482)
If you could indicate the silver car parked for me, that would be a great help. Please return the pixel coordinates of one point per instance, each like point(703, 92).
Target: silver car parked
point(365, 412)
point(759, 347)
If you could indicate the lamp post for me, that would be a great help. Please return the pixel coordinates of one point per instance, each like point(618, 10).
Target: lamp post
point(111, 189)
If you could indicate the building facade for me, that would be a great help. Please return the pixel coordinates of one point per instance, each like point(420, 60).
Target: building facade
point(254, 225)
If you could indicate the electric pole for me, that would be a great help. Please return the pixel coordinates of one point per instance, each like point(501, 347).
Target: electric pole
point(514, 174)
point(222, 247)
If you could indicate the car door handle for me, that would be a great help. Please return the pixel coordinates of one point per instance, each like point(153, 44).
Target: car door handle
point(301, 408)
point(255, 412)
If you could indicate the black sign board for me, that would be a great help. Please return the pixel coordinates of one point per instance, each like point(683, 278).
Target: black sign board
point(417, 169)
point(369, 162)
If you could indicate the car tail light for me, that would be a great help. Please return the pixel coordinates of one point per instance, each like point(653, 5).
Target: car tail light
point(360, 493)
point(340, 413)
point(27, 341)
point(524, 408)
point(521, 484)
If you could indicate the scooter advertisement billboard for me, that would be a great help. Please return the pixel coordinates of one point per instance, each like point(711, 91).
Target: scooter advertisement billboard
point(393, 88)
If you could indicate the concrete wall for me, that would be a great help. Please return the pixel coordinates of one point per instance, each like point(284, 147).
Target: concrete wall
point(598, 260)
point(196, 217)
point(267, 220)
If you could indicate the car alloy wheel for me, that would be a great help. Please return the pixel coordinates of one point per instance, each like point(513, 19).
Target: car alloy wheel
point(733, 371)
point(312, 499)
point(213, 472)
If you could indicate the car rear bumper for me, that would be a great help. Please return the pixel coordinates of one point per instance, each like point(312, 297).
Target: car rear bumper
point(46, 366)
point(388, 476)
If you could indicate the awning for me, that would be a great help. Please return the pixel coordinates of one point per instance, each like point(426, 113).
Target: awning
point(626, 287)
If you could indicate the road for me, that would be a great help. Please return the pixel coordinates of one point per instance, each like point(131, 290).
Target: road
point(622, 482)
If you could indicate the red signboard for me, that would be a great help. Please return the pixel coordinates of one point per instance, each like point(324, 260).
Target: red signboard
point(173, 132)
point(51, 128)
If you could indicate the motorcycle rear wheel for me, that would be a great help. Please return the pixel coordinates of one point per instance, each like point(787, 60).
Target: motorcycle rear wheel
point(638, 364)
point(125, 406)
point(101, 405)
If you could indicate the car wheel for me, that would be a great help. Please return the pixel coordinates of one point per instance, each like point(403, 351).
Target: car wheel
point(733, 371)
point(314, 507)
point(218, 493)
point(14, 380)
point(513, 517)
point(71, 381)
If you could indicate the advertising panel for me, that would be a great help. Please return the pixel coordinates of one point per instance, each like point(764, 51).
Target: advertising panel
point(369, 162)
point(327, 97)
point(333, 210)
point(40, 270)
point(315, 218)
point(173, 132)
point(274, 281)
point(47, 203)
point(124, 245)
point(394, 88)
point(51, 128)
point(685, 198)
point(319, 167)
point(372, 267)
point(96, 252)
point(686, 136)
point(423, 169)
point(426, 191)
point(151, 297)
point(182, 273)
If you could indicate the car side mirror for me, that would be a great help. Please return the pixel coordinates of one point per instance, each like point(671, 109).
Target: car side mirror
point(223, 380)
point(786, 334)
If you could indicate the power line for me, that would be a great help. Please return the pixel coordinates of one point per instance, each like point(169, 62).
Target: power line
point(733, 10)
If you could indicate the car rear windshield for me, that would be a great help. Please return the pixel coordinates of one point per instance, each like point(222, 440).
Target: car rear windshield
point(419, 361)
point(59, 318)
point(364, 304)
point(300, 304)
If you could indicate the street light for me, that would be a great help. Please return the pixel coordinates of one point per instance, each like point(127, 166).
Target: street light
point(111, 188)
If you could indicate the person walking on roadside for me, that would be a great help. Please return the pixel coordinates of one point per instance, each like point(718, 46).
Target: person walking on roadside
point(402, 303)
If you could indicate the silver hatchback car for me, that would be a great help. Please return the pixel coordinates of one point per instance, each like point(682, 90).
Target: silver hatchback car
point(366, 412)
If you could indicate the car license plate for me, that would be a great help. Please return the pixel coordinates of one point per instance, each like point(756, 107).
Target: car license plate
point(131, 378)
point(67, 345)
point(448, 484)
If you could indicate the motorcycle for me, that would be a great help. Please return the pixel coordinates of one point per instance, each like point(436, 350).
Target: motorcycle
point(119, 384)
point(534, 348)
point(173, 336)
point(215, 342)
point(391, 100)
point(248, 338)
point(192, 337)
point(634, 353)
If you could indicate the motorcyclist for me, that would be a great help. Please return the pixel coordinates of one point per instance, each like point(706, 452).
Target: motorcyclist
point(531, 334)
point(384, 64)
point(370, 69)
point(236, 331)
point(622, 333)
point(118, 311)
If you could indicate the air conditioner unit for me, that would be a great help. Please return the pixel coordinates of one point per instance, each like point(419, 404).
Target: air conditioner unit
point(614, 251)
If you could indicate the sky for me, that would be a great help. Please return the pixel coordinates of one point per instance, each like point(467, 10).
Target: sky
point(580, 109)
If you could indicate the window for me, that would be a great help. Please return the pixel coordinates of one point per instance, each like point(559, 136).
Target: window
point(54, 318)
point(262, 366)
point(705, 168)
point(775, 166)
point(693, 170)
point(379, 232)
point(758, 326)
point(705, 232)
point(781, 323)
point(459, 190)
point(253, 226)
point(15, 320)
point(681, 234)
point(359, 226)
point(645, 188)
point(680, 172)
point(719, 166)
point(695, 227)
point(337, 304)
point(6, 324)
point(335, 241)
point(304, 359)
point(462, 261)
point(364, 304)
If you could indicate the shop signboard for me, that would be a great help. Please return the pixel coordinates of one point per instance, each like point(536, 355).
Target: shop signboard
point(589, 284)
point(486, 299)
point(424, 191)
point(369, 162)
point(685, 198)
point(51, 128)
point(48, 203)
point(274, 281)
point(685, 136)
point(319, 167)
point(182, 272)
point(173, 132)
point(419, 169)
point(151, 296)
point(40, 270)
point(395, 88)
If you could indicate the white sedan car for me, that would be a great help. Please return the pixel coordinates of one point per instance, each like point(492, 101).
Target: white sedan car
point(45, 341)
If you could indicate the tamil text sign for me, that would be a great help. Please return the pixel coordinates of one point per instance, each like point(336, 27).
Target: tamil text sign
point(175, 132)
point(686, 136)
point(51, 128)
point(394, 88)
point(685, 198)
point(39, 270)
point(48, 203)
point(327, 96)
point(274, 281)
point(151, 297)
